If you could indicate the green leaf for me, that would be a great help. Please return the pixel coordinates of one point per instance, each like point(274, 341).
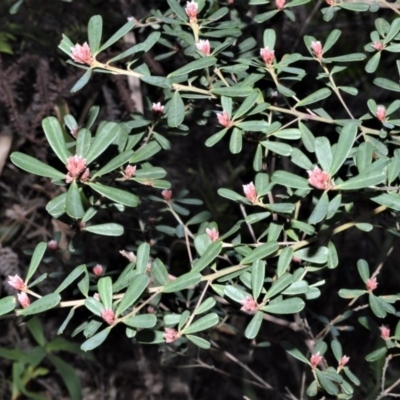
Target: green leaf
point(235, 294)
point(118, 35)
point(104, 287)
point(323, 152)
point(261, 252)
point(70, 315)
point(269, 38)
point(331, 40)
point(300, 159)
point(363, 270)
point(96, 340)
point(312, 389)
point(265, 16)
point(373, 63)
point(200, 342)
point(37, 256)
point(288, 179)
point(143, 254)
point(326, 383)
point(114, 194)
point(115, 163)
point(55, 137)
point(230, 194)
point(316, 255)
point(377, 306)
point(387, 84)
point(145, 152)
point(358, 7)
point(183, 282)
point(176, 111)
point(143, 321)
point(177, 9)
point(201, 63)
point(94, 306)
point(351, 293)
point(363, 180)
point(391, 200)
point(376, 354)
point(108, 229)
point(92, 115)
point(73, 202)
point(235, 143)
point(233, 91)
point(214, 139)
point(43, 304)
point(74, 274)
point(337, 349)
point(7, 304)
point(351, 376)
point(247, 104)
point(83, 140)
point(343, 148)
point(257, 277)
point(279, 285)
point(159, 272)
point(313, 98)
point(56, 206)
point(205, 306)
point(206, 322)
point(95, 28)
point(284, 261)
point(333, 260)
point(254, 325)
point(280, 148)
point(393, 31)
point(284, 91)
point(212, 252)
point(82, 81)
point(134, 291)
point(294, 352)
point(199, 218)
point(320, 210)
point(104, 137)
point(34, 166)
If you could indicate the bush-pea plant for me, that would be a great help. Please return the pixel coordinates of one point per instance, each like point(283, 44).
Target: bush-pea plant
point(304, 190)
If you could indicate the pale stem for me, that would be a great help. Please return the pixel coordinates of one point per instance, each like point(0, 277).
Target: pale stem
point(138, 308)
point(115, 70)
point(249, 227)
point(219, 74)
point(186, 88)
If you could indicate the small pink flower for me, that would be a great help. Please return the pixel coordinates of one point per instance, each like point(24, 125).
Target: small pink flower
point(86, 175)
point(371, 284)
point(267, 55)
point(319, 179)
point(381, 113)
point(212, 234)
point(23, 299)
point(250, 192)
point(343, 361)
point(280, 4)
point(170, 335)
point(167, 195)
point(331, 2)
point(378, 46)
point(16, 282)
point(316, 47)
point(315, 360)
point(96, 296)
point(132, 19)
point(204, 46)
point(76, 165)
point(224, 120)
point(130, 170)
point(192, 9)
point(249, 305)
point(108, 315)
point(98, 270)
point(385, 332)
point(52, 245)
point(158, 109)
point(81, 54)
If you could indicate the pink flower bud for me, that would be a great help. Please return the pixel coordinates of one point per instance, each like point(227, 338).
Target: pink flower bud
point(74, 131)
point(130, 170)
point(132, 19)
point(378, 46)
point(167, 195)
point(82, 54)
point(204, 46)
point(96, 296)
point(343, 361)
point(316, 47)
point(16, 282)
point(86, 174)
point(76, 165)
point(170, 335)
point(23, 299)
point(315, 360)
point(249, 305)
point(192, 9)
point(52, 245)
point(224, 120)
point(371, 284)
point(158, 109)
point(98, 270)
point(108, 315)
point(267, 55)
point(250, 192)
point(319, 179)
point(385, 332)
point(381, 113)
point(331, 2)
point(280, 4)
point(212, 234)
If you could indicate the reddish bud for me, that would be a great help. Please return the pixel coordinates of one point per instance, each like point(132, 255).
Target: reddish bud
point(17, 282)
point(267, 55)
point(331, 2)
point(378, 46)
point(52, 245)
point(204, 47)
point(108, 315)
point(212, 234)
point(86, 174)
point(81, 54)
point(167, 195)
point(371, 284)
point(315, 360)
point(76, 165)
point(319, 179)
point(385, 332)
point(249, 305)
point(23, 299)
point(192, 9)
point(223, 119)
point(98, 270)
point(250, 192)
point(170, 335)
point(316, 47)
point(96, 296)
point(381, 113)
point(130, 170)
point(157, 109)
point(280, 4)
point(343, 361)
